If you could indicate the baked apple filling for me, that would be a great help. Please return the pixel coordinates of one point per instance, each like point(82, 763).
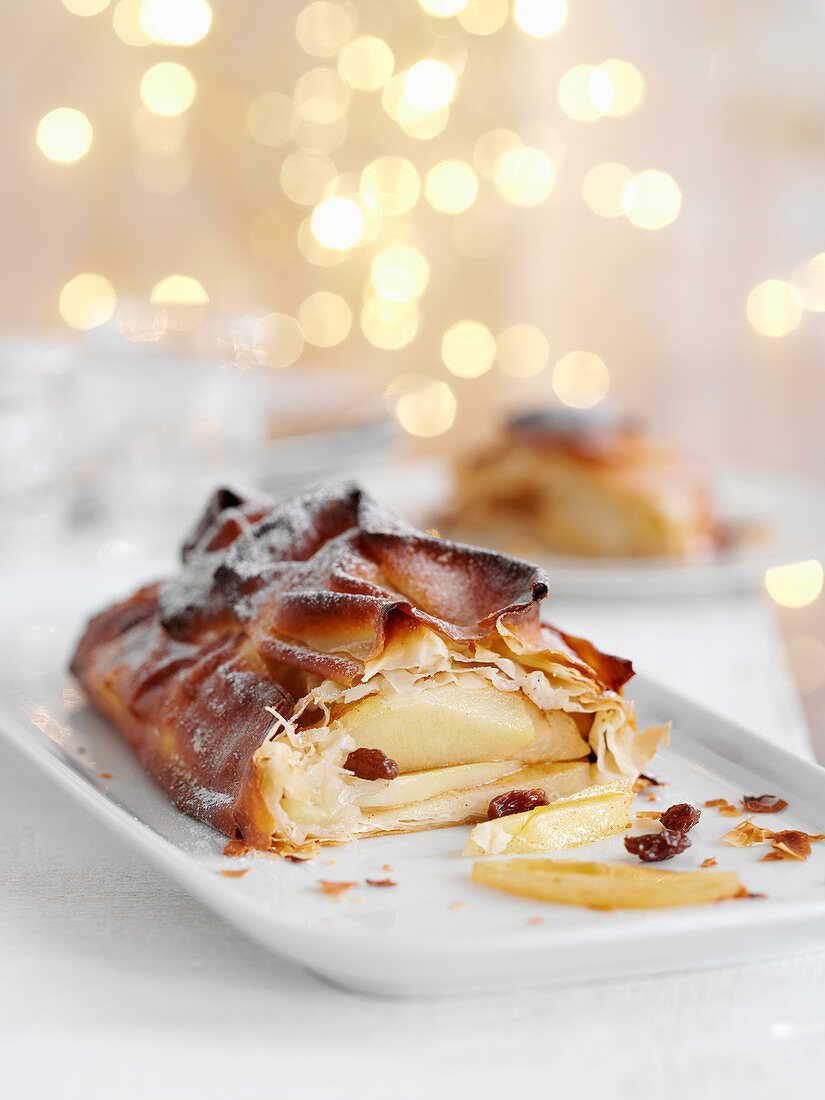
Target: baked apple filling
point(460, 728)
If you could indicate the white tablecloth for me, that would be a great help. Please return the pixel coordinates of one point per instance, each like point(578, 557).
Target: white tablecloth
point(115, 983)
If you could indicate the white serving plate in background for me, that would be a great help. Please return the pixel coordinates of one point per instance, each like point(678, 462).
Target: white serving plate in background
point(785, 511)
point(435, 931)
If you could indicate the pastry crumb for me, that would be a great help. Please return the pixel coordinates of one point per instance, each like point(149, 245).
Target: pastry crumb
point(237, 848)
point(793, 843)
point(746, 834)
point(334, 889)
point(725, 808)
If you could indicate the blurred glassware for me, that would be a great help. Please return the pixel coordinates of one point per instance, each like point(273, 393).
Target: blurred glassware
point(37, 452)
point(162, 426)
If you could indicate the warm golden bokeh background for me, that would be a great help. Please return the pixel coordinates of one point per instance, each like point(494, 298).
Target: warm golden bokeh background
point(472, 204)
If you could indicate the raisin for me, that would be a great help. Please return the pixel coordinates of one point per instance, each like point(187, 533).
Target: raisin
point(680, 818)
point(371, 764)
point(516, 802)
point(763, 803)
point(654, 847)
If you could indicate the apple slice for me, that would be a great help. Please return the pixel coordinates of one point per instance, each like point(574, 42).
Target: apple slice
point(606, 885)
point(418, 786)
point(466, 722)
point(589, 815)
point(460, 807)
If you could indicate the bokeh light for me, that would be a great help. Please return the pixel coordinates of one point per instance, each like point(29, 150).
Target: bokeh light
point(442, 8)
point(85, 7)
point(524, 176)
point(451, 187)
point(774, 308)
point(392, 184)
point(126, 23)
point(483, 17)
point(540, 17)
point(491, 147)
point(305, 176)
point(652, 200)
point(585, 93)
point(168, 88)
point(522, 351)
point(581, 379)
point(366, 63)
point(468, 349)
point(426, 409)
point(313, 251)
point(325, 319)
point(372, 220)
point(185, 299)
point(175, 22)
point(337, 222)
point(414, 121)
point(424, 125)
point(179, 290)
point(64, 135)
point(321, 96)
point(279, 341)
point(400, 274)
point(806, 656)
point(794, 585)
point(627, 84)
point(86, 301)
point(271, 119)
point(603, 188)
point(394, 102)
point(429, 85)
point(809, 283)
point(323, 28)
point(389, 325)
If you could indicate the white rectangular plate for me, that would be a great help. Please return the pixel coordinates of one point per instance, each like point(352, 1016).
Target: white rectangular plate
point(435, 931)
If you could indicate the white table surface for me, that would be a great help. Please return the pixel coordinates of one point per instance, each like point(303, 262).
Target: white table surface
point(115, 983)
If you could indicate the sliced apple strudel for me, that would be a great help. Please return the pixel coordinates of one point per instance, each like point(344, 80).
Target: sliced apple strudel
point(318, 670)
point(583, 484)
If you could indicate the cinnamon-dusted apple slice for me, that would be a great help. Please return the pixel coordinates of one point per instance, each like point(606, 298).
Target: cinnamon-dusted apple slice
point(318, 670)
point(589, 815)
point(606, 885)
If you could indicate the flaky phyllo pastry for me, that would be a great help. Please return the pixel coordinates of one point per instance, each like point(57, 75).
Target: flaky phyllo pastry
point(318, 671)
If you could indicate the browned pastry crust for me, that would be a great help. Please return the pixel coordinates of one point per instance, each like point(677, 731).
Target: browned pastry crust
point(273, 600)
